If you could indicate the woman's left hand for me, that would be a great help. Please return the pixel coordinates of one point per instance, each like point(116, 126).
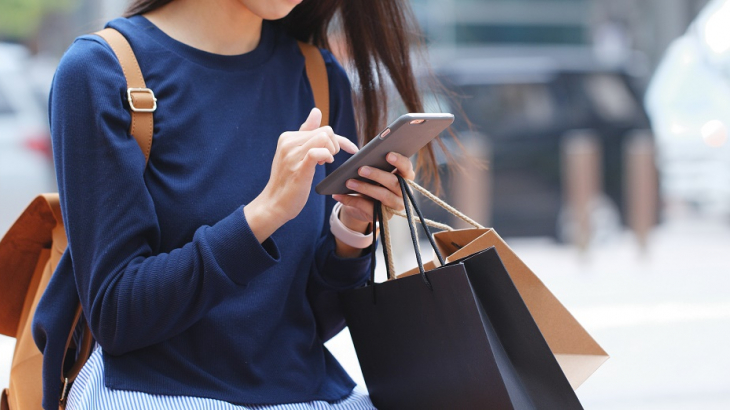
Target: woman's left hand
point(357, 210)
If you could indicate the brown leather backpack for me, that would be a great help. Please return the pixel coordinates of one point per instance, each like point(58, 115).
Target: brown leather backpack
point(32, 247)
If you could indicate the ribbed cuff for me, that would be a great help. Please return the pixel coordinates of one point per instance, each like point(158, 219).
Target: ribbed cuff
point(342, 273)
point(237, 250)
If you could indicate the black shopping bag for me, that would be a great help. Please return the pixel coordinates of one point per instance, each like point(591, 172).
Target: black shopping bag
point(456, 337)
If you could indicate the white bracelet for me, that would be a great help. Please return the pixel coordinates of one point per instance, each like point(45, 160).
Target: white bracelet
point(348, 236)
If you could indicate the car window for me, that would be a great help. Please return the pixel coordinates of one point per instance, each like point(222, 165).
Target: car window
point(496, 107)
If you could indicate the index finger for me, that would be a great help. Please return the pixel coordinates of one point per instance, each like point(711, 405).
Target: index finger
point(347, 145)
point(331, 134)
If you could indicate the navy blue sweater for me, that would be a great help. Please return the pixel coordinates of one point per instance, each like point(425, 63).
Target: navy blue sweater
point(175, 287)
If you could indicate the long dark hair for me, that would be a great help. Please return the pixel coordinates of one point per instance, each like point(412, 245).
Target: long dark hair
point(378, 37)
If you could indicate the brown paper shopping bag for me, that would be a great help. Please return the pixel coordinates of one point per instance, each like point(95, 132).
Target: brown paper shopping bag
point(578, 354)
point(414, 355)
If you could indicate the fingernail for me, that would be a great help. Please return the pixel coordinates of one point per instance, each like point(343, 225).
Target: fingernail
point(392, 158)
point(352, 184)
point(337, 197)
point(364, 171)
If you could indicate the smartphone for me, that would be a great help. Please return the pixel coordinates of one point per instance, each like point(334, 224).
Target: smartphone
point(406, 135)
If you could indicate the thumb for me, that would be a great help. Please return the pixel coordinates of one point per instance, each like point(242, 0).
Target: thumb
point(313, 121)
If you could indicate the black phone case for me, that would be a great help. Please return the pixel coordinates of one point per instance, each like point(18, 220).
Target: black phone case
point(402, 136)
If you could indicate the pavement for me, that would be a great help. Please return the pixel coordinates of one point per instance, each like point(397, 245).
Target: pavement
point(663, 316)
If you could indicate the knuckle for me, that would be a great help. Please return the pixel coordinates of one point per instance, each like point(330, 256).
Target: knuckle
point(366, 189)
point(311, 157)
point(294, 154)
point(289, 159)
point(284, 144)
point(393, 198)
point(393, 184)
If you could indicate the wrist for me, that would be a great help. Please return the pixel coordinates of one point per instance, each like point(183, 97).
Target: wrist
point(262, 217)
point(354, 224)
point(349, 243)
point(344, 250)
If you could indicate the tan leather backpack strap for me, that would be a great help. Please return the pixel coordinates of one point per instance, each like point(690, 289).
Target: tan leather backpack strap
point(317, 74)
point(83, 350)
point(142, 101)
point(142, 105)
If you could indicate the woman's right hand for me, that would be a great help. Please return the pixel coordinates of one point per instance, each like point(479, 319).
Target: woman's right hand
point(297, 155)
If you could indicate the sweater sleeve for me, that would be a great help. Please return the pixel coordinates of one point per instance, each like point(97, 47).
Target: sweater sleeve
point(132, 294)
point(331, 273)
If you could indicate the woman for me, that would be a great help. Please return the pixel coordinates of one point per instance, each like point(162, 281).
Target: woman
point(205, 275)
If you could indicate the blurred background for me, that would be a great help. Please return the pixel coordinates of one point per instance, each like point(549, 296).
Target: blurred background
point(602, 128)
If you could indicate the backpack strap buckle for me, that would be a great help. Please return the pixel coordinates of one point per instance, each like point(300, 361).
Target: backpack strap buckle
point(144, 96)
point(65, 389)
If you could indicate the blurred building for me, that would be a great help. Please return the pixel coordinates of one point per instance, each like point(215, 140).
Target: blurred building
point(612, 26)
point(534, 73)
point(644, 25)
point(538, 70)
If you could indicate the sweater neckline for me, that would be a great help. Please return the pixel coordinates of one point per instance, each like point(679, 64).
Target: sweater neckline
point(253, 58)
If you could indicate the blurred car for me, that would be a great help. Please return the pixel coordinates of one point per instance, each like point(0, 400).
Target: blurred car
point(25, 150)
point(523, 103)
point(688, 101)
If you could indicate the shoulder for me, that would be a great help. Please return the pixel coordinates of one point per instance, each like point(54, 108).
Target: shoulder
point(336, 74)
point(88, 58)
point(88, 87)
point(342, 117)
point(335, 71)
point(91, 57)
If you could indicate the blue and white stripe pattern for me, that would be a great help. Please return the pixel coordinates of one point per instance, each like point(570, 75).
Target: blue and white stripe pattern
point(89, 392)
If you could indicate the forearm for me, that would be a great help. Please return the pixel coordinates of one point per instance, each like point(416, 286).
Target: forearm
point(262, 218)
point(135, 301)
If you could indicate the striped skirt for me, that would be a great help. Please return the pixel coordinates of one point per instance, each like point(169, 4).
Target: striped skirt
point(89, 392)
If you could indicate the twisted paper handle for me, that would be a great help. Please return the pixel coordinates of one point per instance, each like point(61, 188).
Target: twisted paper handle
point(450, 209)
point(429, 222)
point(387, 212)
point(386, 240)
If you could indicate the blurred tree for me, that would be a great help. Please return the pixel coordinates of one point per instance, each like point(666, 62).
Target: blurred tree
point(20, 19)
